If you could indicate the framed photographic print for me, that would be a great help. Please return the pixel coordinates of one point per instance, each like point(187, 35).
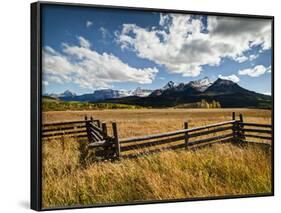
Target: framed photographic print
point(140, 105)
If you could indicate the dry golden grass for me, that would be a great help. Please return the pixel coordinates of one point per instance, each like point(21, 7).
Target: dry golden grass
point(149, 121)
point(70, 177)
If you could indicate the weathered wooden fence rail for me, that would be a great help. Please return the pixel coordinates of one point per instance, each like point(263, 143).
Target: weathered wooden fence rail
point(77, 129)
point(250, 130)
point(59, 129)
point(111, 146)
point(184, 138)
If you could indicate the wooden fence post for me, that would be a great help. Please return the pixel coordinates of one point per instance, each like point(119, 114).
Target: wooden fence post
point(186, 134)
point(234, 128)
point(104, 130)
point(88, 129)
point(241, 128)
point(116, 139)
point(233, 116)
point(98, 121)
point(91, 120)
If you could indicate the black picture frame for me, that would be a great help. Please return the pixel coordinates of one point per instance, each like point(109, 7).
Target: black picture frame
point(36, 101)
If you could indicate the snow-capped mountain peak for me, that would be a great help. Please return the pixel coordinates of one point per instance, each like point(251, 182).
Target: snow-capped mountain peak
point(67, 93)
point(169, 85)
point(201, 84)
point(221, 81)
point(136, 92)
point(141, 92)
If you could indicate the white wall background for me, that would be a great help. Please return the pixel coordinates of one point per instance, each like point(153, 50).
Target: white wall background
point(15, 105)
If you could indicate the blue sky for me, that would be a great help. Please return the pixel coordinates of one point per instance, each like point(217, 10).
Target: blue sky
point(85, 49)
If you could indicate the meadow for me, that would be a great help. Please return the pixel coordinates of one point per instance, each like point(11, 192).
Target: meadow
point(71, 177)
point(53, 104)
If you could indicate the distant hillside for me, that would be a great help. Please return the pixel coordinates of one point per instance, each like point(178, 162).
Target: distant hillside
point(50, 99)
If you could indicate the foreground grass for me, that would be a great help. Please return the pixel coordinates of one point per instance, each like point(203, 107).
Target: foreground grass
point(70, 177)
point(223, 169)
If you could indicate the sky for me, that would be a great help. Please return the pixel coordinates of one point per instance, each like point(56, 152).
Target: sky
point(86, 49)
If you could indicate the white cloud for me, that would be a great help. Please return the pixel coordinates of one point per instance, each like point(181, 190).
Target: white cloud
point(89, 23)
point(183, 44)
point(104, 33)
point(55, 65)
point(83, 42)
point(241, 59)
point(269, 69)
point(232, 77)
point(90, 69)
point(45, 83)
point(255, 71)
point(163, 19)
point(266, 93)
point(253, 57)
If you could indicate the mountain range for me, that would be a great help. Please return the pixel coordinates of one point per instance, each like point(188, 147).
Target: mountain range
point(100, 95)
point(226, 92)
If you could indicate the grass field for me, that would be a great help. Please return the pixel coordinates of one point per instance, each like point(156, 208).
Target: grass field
point(53, 104)
point(150, 121)
point(70, 178)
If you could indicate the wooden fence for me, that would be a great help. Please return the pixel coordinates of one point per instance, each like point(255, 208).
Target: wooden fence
point(234, 130)
point(89, 129)
point(111, 146)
